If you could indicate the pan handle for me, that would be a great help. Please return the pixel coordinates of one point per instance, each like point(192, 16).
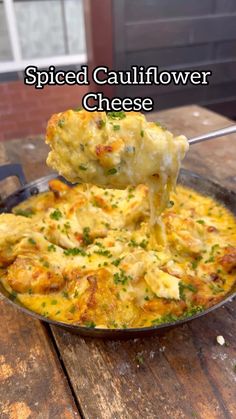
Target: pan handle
point(14, 169)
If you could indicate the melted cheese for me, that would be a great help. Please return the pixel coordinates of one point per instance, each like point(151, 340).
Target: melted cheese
point(116, 150)
point(84, 255)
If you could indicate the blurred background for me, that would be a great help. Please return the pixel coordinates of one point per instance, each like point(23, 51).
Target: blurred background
point(173, 34)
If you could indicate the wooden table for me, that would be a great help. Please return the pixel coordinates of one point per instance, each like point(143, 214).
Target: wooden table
point(46, 372)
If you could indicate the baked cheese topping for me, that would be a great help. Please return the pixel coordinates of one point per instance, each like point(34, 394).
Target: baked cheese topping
point(116, 149)
point(84, 255)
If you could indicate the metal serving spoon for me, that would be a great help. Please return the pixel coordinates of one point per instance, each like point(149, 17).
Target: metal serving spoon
point(213, 134)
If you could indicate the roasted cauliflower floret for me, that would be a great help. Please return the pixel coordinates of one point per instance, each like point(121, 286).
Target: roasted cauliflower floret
point(32, 275)
point(12, 230)
point(116, 149)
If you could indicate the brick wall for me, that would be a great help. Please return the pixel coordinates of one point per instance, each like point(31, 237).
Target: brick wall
point(25, 111)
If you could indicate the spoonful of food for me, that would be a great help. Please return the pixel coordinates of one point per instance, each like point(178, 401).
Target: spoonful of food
point(119, 149)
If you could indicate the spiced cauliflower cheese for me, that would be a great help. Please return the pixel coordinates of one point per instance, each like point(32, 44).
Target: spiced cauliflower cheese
point(84, 255)
point(116, 149)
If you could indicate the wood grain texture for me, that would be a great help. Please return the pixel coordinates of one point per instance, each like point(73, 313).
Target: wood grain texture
point(33, 384)
point(181, 374)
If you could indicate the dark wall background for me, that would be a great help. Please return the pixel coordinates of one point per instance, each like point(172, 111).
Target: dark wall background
point(181, 35)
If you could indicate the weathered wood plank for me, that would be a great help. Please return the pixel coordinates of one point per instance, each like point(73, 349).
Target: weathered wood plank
point(33, 384)
point(182, 374)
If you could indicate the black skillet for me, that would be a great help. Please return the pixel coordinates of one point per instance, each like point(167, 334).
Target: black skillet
point(187, 178)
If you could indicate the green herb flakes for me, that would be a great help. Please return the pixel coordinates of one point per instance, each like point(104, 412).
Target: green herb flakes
point(52, 248)
point(32, 241)
point(82, 167)
point(112, 171)
point(61, 123)
point(56, 215)
point(86, 236)
point(74, 252)
point(116, 115)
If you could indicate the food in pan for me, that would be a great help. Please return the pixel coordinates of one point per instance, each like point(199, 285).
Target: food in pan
point(116, 149)
point(83, 255)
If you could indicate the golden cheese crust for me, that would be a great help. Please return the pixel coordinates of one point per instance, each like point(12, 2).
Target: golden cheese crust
point(84, 255)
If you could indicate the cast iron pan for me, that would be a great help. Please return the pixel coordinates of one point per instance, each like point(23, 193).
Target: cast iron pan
point(187, 178)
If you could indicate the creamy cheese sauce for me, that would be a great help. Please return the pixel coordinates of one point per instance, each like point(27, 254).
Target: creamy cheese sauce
point(84, 255)
point(117, 149)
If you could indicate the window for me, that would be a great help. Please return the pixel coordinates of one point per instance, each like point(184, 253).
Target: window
point(41, 33)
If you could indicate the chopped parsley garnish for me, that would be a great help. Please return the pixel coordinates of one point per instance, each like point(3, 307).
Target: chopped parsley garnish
point(167, 318)
point(216, 289)
point(67, 225)
point(183, 287)
point(139, 358)
point(161, 126)
point(74, 252)
point(25, 212)
point(103, 253)
point(86, 236)
point(65, 294)
point(116, 115)
point(211, 259)
point(116, 127)
point(82, 167)
point(112, 171)
point(200, 221)
point(13, 295)
point(121, 277)
point(170, 318)
point(116, 262)
point(54, 302)
point(170, 204)
point(196, 261)
point(32, 241)
point(44, 262)
point(72, 309)
point(142, 133)
point(142, 244)
point(51, 248)
point(78, 109)
point(192, 311)
point(214, 248)
point(90, 324)
point(98, 244)
point(61, 123)
point(101, 123)
point(56, 215)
